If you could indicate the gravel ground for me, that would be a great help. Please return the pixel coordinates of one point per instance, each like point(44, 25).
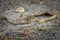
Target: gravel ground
point(32, 30)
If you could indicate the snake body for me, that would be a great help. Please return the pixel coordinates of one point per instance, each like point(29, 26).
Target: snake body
point(29, 19)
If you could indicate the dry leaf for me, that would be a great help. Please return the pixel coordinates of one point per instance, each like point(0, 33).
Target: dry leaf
point(20, 9)
point(5, 38)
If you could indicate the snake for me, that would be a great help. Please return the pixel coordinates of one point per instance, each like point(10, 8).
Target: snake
point(33, 17)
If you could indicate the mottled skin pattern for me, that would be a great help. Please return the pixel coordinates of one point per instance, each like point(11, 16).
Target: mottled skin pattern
point(22, 31)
